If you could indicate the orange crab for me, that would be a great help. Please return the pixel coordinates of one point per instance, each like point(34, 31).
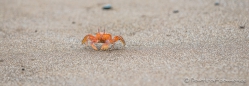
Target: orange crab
point(102, 37)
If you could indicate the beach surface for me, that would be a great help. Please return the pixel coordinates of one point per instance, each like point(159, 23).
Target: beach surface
point(168, 43)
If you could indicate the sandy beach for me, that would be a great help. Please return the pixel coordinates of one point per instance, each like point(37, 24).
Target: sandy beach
point(168, 43)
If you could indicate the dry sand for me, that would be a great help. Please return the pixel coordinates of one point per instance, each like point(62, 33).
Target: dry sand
point(201, 44)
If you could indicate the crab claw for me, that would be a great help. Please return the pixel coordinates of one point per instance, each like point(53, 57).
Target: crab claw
point(85, 39)
point(92, 38)
point(105, 46)
point(116, 38)
point(94, 47)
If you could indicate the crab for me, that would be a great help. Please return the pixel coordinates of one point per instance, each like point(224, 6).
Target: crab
point(102, 37)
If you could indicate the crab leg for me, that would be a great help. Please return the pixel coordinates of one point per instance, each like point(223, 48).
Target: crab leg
point(93, 40)
point(105, 46)
point(93, 46)
point(116, 38)
point(91, 37)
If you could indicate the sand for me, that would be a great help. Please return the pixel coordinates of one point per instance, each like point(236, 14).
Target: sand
point(168, 43)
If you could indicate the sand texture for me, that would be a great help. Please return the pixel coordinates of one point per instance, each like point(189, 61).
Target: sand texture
point(168, 43)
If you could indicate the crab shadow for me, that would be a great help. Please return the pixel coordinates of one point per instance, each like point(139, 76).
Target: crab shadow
point(110, 49)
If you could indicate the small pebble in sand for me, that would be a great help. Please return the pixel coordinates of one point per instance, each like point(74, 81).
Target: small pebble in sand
point(242, 27)
point(73, 22)
point(175, 11)
point(23, 69)
point(216, 3)
point(32, 59)
point(107, 6)
point(35, 30)
point(1, 60)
